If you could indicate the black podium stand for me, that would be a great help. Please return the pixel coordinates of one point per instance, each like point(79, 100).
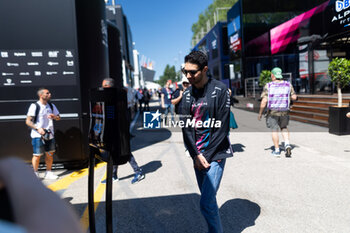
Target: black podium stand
point(109, 141)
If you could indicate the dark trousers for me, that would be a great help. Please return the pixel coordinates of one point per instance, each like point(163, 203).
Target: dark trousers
point(133, 164)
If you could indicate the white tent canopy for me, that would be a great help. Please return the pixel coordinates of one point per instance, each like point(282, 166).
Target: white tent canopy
point(152, 85)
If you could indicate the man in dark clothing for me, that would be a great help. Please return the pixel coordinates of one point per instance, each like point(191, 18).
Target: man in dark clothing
point(146, 98)
point(205, 110)
point(166, 101)
point(176, 97)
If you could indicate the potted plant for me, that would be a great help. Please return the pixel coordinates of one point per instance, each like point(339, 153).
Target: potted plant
point(265, 77)
point(339, 71)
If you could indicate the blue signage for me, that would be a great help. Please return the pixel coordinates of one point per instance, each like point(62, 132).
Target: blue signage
point(109, 2)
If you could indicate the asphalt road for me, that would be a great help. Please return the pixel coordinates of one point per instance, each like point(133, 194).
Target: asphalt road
point(259, 193)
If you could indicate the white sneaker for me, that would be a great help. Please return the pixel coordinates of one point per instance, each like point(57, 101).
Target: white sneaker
point(37, 174)
point(50, 176)
point(276, 154)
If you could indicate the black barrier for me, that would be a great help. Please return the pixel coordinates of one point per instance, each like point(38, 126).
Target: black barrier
point(109, 141)
point(109, 126)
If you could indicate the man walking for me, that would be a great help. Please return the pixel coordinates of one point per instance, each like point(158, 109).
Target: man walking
point(206, 100)
point(139, 175)
point(277, 95)
point(40, 118)
point(166, 101)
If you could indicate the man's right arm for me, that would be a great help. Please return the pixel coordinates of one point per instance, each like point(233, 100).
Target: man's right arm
point(30, 123)
point(188, 132)
point(30, 119)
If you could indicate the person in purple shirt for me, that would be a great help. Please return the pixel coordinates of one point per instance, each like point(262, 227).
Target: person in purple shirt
point(276, 96)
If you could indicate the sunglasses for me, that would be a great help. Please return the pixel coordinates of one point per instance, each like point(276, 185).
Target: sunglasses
point(192, 72)
point(185, 84)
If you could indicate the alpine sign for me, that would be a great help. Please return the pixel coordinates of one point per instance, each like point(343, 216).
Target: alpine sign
point(342, 5)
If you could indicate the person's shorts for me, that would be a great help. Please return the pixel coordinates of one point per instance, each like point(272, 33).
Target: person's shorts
point(277, 122)
point(39, 147)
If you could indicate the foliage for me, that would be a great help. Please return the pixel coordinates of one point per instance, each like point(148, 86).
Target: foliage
point(265, 77)
point(169, 73)
point(268, 18)
point(339, 71)
point(209, 15)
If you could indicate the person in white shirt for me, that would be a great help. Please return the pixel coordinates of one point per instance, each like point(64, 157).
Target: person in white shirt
point(42, 133)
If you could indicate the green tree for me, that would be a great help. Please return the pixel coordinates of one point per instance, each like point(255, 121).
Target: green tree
point(208, 14)
point(169, 73)
point(339, 71)
point(265, 77)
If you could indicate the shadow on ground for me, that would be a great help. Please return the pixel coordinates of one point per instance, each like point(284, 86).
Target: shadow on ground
point(177, 213)
point(147, 168)
point(281, 146)
point(238, 147)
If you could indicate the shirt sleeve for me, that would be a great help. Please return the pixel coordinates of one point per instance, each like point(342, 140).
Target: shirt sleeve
point(55, 110)
point(31, 110)
point(292, 92)
point(265, 92)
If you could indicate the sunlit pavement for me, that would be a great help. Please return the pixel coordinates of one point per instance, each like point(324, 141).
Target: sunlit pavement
point(259, 193)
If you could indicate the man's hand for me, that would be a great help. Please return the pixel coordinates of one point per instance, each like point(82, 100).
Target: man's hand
point(201, 163)
point(54, 117)
point(41, 131)
point(348, 115)
point(51, 116)
point(259, 117)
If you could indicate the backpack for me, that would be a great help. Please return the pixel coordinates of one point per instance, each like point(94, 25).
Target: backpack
point(37, 109)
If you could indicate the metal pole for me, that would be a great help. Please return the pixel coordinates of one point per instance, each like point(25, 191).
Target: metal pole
point(109, 224)
point(91, 191)
point(254, 88)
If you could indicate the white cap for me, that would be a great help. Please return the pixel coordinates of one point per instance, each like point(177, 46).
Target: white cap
point(184, 79)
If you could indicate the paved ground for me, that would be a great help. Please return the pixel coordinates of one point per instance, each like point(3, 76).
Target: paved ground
point(259, 193)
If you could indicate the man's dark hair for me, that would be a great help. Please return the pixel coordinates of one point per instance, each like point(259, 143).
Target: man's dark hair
point(40, 90)
point(198, 58)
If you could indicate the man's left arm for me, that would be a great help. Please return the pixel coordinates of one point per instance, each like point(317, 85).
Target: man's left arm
point(56, 114)
point(223, 115)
